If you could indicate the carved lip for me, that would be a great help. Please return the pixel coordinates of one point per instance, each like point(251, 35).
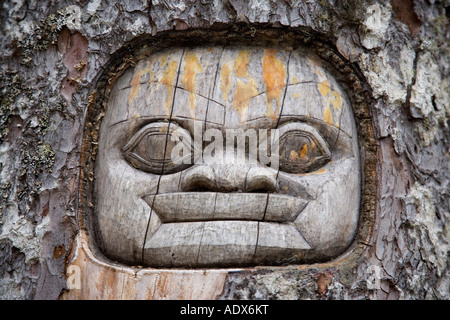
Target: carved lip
point(214, 206)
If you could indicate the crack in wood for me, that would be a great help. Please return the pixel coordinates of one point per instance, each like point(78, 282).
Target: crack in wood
point(211, 92)
point(165, 150)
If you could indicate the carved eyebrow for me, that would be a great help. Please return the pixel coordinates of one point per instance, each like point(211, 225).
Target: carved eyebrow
point(178, 87)
point(281, 119)
point(153, 118)
point(312, 121)
point(305, 119)
point(280, 87)
point(219, 103)
point(316, 123)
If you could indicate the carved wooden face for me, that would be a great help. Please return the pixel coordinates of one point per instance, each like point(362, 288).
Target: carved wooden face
point(302, 206)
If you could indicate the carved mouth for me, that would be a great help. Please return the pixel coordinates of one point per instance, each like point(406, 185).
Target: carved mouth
point(214, 206)
point(216, 229)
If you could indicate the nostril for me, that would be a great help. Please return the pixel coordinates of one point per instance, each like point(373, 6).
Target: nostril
point(260, 185)
point(199, 179)
point(199, 184)
point(260, 180)
point(263, 188)
point(233, 178)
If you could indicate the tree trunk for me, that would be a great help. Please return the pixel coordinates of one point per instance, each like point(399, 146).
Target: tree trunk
point(54, 59)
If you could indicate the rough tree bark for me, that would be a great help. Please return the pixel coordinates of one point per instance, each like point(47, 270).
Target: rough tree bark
point(53, 52)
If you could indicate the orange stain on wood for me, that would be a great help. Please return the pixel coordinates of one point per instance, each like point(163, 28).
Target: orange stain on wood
point(304, 151)
point(335, 100)
point(315, 66)
point(327, 116)
point(244, 92)
point(191, 68)
point(274, 76)
point(246, 88)
point(135, 82)
point(324, 88)
point(135, 86)
point(241, 64)
point(225, 76)
point(331, 96)
point(168, 79)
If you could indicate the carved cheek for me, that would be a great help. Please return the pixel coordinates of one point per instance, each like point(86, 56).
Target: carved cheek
point(122, 216)
point(329, 220)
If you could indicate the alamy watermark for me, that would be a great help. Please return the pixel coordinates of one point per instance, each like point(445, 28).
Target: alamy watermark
point(73, 277)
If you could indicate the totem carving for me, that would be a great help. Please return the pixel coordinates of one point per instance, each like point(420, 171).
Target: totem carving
point(226, 156)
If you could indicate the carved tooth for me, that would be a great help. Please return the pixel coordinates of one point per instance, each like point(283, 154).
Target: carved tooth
point(243, 206)
point(284, 208)
point(278, 242)
point(205, 206)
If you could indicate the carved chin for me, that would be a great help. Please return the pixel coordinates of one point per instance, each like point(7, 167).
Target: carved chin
point(204, 229)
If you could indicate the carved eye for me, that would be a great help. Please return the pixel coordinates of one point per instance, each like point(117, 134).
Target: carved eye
point(151, 149)
point(302, 149)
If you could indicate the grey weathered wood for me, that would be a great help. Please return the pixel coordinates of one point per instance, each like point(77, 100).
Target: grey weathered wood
point(322, 222)
point(399, 51)
point(191, 206)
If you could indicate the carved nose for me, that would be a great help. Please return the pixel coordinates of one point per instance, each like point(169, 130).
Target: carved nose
point(230, 176)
